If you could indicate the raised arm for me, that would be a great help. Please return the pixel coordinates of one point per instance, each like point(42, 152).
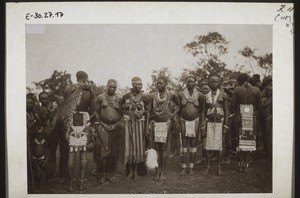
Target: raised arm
point(67, 91)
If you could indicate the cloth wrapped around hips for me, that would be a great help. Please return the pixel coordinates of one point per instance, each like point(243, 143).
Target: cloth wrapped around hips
point(214, 122)
point(214, 137)
point(106, 146)
point(159, 131)
point(246, 136)
point(135, 140)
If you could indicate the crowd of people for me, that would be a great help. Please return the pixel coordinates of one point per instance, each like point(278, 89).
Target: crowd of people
point(209, 119)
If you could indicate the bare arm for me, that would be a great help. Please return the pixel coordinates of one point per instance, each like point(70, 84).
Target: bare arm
point(259, 103)
point(226, 109)
point(149, 110)
point(67, 91)
point(202, 109)
point(98, 108)
point(233, 101)
point(176, 100)
point(92, 105)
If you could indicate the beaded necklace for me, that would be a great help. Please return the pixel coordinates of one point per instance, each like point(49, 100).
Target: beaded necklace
point(111, 100)
point(136, 99)
point(161, 104)
point(191, 98)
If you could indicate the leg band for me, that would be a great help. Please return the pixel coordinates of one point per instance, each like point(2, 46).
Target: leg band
point(183, 165)
point(193, 150)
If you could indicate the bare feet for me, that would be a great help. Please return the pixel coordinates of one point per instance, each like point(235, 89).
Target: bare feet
point(69, 188)
point(226, 161)
point(162, 177)
point(157, 177)
point(135, 176)
point(192, 173)
point(82, 187)
point(205, 172)
point(102, 180)
point(183, 172)
point(219, 171)
point(240, 169)
point(93, 172)
point(61, 180)
point(245, 169)
point(130, 175)
point(111, 179)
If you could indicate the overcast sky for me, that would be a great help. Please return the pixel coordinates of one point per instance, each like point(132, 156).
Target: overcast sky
point(124, 51)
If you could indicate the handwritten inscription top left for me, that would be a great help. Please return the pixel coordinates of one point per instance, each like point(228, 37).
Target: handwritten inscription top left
point(45, 15)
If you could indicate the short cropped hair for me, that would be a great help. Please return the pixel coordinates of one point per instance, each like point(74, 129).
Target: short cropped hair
point(242, 78)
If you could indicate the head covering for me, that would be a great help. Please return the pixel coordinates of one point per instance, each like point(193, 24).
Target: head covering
point(81, 75)
point(191, 76)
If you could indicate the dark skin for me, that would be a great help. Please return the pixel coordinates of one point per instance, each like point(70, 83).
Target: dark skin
point(136, 90)
point(33, 117)
point(43, 99)
point(245, 94)
point(190, 111)
point(86, 104)
point(205, 89)
point(214, 86)
point(266, 120)
point(107, 114)
point(104, 112)
point(164, 117)
point(44, 109)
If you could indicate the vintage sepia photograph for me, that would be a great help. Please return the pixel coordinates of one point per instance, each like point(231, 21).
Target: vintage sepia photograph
point(119, 101)
point(95, 94)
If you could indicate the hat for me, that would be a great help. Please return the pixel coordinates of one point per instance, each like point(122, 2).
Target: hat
point(191, 76)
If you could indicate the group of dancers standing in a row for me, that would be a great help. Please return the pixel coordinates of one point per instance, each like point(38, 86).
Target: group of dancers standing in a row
point(220, 115)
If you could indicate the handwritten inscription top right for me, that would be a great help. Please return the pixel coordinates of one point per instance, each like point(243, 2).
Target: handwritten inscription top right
point(285, 15)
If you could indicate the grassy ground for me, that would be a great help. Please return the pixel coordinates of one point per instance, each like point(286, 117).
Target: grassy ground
point(257, 180)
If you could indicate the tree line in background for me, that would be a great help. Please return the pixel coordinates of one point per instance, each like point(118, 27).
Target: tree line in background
point(208, 51)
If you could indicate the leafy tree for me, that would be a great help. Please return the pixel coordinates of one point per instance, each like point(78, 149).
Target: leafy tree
point(29, 90)
point(56, 84)
point(266, 62)
point(165, 73)
point(248, 53)
point(208, 49)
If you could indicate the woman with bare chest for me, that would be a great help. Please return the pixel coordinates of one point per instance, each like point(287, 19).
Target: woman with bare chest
point(216, 103)
point(159, 118)
point(191, 120)
point(108, 126)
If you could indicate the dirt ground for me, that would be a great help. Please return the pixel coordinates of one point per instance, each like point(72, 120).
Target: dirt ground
point(257, 180)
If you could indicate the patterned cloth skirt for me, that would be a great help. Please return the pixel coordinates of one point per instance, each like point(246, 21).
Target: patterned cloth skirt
point(134, 141)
